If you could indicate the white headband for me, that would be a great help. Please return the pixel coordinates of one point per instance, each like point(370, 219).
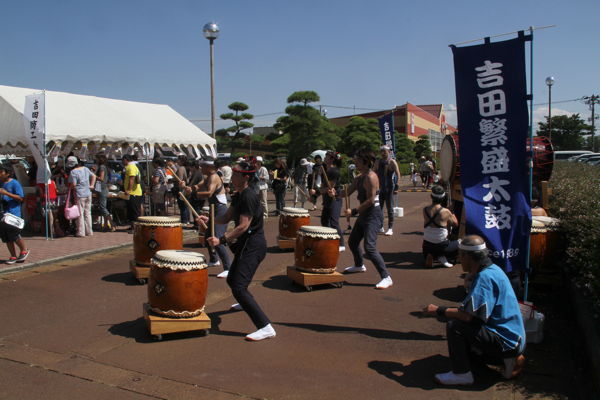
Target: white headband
point(438, 196)
point(475, 247)
point(207, 162)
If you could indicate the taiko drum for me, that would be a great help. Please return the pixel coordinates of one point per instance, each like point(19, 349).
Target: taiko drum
point(317, 249)
point(545, 243)
point(178, 283)
point(543, 158)
point(290, 221)
point(152, 234)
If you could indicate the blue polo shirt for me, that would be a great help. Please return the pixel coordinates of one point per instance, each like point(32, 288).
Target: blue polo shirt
point(492, 300)
point(9, 204)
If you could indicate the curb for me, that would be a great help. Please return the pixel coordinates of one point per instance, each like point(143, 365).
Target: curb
point(25, 266)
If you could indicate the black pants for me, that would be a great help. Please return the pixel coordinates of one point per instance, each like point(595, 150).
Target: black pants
point(366, 227)
point(330, 217)
point(133, 208)
point(279, 191)
point(184, 213)
point(386, 200)
point(464, 336)
point(248, 257)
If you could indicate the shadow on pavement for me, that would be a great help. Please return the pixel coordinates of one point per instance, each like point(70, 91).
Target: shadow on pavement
point(403, 260)
point(282, 282)
point(135, 329)
point(376, 333)
point(419, 373)
point(215, 320)
point(455, 294)
point(418, 233)
point(121, 277)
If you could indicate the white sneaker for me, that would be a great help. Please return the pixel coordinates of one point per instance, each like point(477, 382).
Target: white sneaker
point(236, 307)
point(389, 232)
point(450, 378)
point(223, 274)
point(353, 269)
point(381, 230)
point(214, 264)
point(384, 283)
point(342, 248)
point(263, 333)
point(444, 262)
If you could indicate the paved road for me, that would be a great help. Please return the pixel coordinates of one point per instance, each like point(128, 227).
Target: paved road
point(74, 330)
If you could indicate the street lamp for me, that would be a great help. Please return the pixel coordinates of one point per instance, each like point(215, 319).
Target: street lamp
point(550, 82)
point(211, 32)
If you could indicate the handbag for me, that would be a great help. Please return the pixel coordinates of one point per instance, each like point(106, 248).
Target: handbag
point(13, 220)
point(71, 210)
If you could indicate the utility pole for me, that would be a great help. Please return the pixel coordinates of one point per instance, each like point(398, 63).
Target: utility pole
point(591, 101)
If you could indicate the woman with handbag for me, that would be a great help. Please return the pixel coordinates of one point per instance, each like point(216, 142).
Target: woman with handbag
point(11, 224)
point(81, 181)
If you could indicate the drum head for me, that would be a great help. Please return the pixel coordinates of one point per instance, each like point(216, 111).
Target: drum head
point(318, 232)
point(448, 159)
point(295, 212)
point(158, 221)
point(179, 259)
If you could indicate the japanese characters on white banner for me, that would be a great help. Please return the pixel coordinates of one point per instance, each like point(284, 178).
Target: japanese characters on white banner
point(35, 127)
point(493, 124)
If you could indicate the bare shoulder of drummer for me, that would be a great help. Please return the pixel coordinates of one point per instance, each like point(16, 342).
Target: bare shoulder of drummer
point(448, 217)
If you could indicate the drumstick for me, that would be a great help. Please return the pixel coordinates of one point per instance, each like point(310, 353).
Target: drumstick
point(174, 174)
point(212, 219)
point(326, 178)
point(347, 205)
point(182, 197)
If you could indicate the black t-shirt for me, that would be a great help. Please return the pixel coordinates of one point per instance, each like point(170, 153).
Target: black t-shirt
point(248, 203)
point(333, 174)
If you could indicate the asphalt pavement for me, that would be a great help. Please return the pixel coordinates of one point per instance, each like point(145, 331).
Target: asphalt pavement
point(74, 329)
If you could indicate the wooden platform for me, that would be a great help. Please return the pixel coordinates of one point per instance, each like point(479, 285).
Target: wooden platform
point(140, 273)
point(309, 280)
point(286, 243)
point(158, 325)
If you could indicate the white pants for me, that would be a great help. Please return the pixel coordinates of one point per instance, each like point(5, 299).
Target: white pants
point(84, 222)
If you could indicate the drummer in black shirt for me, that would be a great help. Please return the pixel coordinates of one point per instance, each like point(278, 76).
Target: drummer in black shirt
point(247, 242)
point(332, 205)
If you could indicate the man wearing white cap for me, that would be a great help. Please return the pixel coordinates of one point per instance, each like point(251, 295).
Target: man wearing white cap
point(263, 184)
point(488, 320)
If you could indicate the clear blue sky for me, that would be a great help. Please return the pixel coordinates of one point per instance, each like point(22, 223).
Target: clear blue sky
point(368, 54)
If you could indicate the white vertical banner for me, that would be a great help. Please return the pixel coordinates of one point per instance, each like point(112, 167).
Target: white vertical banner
point(35, 127)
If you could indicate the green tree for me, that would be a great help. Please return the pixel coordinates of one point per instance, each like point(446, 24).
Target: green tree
point(422, 146)
point(304, 128)
point(359, 133)
point(240, 119)
point(405, 148)
point(566, 131)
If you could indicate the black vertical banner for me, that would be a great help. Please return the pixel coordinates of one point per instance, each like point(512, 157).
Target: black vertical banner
point(491, 98)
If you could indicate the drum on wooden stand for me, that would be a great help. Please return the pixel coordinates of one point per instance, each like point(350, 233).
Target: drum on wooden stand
point(152, 234)
point(178, 283)
point(450, 158)
point(290, 221)
point(545, 242)
point(317, 249)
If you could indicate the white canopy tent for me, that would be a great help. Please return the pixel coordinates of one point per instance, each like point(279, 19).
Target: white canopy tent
point(87, 125)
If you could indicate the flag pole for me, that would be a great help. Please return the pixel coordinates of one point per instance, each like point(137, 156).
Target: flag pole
point(527, 249)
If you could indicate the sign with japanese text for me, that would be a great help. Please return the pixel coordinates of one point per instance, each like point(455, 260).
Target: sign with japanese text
point(491, 97)
point(35, 128)
point(386, 127)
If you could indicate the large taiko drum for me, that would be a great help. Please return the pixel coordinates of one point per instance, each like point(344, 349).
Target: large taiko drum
point(317, 249)
point(543, 158)
point(290, 220)
point(545, 244)
point(178, 283)
point(152, 234)
point(450, 158)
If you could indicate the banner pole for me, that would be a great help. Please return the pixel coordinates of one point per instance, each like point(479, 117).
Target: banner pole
point(527, 255)
point(46, 177)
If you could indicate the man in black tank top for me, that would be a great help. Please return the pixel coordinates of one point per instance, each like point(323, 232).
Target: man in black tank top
point(369, 218)
point(386, 167)
point(332, 205)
